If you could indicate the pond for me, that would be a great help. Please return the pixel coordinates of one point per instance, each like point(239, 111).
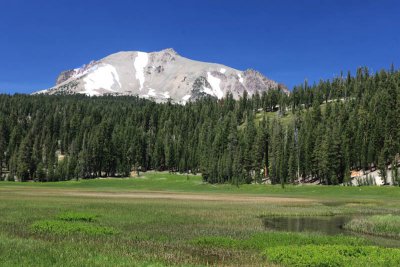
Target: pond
point(328, 225)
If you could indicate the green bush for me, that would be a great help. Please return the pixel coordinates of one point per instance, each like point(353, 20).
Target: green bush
point(77, 216)
point(333, 255)
point(65, 228)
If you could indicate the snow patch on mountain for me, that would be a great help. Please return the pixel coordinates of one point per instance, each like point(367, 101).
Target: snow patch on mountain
point(140, 63)
point(240, 78)
point(151, 92)
point(215, 88)
point(90, 92)
point(42, 91)
point(222, 70)
point(166, 95)
point(208, 91)
point(186, 97)
point(79, 72)
point(102, 77)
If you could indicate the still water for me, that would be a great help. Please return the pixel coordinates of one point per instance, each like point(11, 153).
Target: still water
point(328, 225)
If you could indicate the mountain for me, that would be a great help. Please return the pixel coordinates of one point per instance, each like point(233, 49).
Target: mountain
point(159, 76)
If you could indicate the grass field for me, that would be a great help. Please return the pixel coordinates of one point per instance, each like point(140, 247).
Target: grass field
point(153, 181)
point(169, 219)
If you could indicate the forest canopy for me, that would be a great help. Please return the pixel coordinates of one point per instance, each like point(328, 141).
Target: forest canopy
point(317, 132)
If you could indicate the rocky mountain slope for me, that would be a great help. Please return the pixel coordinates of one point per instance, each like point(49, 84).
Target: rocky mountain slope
point(159, 76)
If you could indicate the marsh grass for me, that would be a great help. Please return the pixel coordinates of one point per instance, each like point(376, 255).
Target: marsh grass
point(273, 239)
point(170, 232)
point(333, 255)
point(321, 209)
point(381, 225)
point(77, 216)
point(152, 231)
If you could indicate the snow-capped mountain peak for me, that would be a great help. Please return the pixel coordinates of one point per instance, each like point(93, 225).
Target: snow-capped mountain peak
point(160, 76)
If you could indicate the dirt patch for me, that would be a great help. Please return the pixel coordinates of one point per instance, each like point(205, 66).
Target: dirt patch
point(156, 195)
point(186, 196)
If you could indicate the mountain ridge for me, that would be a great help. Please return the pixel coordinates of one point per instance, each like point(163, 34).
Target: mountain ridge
point(161, 76)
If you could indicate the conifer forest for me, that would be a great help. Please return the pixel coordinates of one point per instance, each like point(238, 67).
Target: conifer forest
point(318, 132)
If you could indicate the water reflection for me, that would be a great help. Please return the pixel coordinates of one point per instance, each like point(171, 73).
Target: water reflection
point(329, 225)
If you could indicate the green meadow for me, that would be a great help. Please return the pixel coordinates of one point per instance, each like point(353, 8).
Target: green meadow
point(162, 219)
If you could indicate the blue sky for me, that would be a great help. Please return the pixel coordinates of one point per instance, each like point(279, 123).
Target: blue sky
point(288, 41)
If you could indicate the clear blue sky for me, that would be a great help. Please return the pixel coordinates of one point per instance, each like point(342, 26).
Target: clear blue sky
point(288, 41)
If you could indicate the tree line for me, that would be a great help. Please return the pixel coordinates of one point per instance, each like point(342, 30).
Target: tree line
point(318, 132)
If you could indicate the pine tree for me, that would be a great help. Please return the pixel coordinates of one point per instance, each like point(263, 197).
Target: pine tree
point(24, 161)
point(249, 139)
point(2, 148)
point(40, 173)
point(382, 167)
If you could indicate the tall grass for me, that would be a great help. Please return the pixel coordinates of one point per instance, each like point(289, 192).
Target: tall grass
point(382, 225)
point(77, 216)
point(272, 239)
point(65, 228)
